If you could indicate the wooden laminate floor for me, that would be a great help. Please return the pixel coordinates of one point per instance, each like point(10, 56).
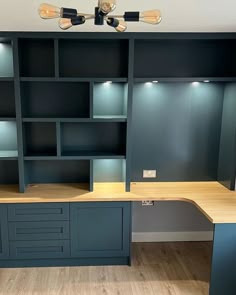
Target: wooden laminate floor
point(157, 268)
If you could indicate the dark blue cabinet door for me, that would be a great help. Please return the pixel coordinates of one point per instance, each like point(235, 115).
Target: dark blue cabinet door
point(4, 244)
point(100, 229)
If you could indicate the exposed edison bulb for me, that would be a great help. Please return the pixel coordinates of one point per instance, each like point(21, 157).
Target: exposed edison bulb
point(65, 23)
point(118, 25)
point(151, 16)
point(121, 27)
point(49, 11)
point(106, 6)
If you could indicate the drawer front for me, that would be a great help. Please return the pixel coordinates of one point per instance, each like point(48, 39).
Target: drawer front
point(39, 249)
point(38, 212)
point(39, 230)
point(100, 229)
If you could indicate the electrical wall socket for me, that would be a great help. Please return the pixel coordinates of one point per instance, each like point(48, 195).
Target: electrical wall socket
point(149, 173)
point(147, 203)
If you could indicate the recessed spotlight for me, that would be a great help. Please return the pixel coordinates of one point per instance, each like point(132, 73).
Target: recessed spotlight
point(148, 83)
point(206, 81)
point(155, 82)
point(195, 83)
point(107, 82)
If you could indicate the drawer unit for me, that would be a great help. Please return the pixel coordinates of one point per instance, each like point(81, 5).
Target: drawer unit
point(38, 212)
point(100, 229)
point(39, 249)
point(39, 230)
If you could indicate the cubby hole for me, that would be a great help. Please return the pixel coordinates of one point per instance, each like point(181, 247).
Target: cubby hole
point(36, 57)
point(110, 100)
point(57, 171)
point(109, 170)
point(93, 139)
point(93, 58)
point(7, 99)
point(8, 139)
point(6, 59)
point(185, 58)
point(40, 139)
point(55, 100)
point(9, 172)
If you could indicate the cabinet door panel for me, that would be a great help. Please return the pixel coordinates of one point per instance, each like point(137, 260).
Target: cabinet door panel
point(100, 229)
point(4, 244)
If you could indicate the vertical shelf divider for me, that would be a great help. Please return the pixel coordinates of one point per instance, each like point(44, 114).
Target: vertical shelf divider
point(18, 116)
point(91, 95)
point(91, 180)
point(58, 135)
point(56, 57)
point(129, 112)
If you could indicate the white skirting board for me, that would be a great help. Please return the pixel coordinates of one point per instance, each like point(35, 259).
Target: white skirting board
point(172, 236)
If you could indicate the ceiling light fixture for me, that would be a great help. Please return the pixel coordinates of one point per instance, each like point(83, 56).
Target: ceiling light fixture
point(70, 17)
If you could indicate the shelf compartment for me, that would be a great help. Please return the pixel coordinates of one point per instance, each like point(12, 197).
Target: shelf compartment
point(9, 172)
point(78, 139)
point(110, 100)
point(93, 58)
point(6, 60)
point(40, 139)
point(7, 99)
point(53, 99)
point(37, 172)
point(109, 170)
point(8, 140)
point(184, 58)
point(36, 57)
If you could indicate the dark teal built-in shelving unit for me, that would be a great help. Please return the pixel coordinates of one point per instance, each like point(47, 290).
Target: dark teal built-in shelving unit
point(87, 106)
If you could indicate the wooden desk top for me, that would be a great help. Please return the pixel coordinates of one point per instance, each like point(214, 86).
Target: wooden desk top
point(215, 201)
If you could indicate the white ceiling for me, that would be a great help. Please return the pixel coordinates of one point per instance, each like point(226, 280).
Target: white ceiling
point(178, 15)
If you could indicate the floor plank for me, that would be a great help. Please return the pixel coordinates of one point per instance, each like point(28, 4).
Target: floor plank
point(181, 268)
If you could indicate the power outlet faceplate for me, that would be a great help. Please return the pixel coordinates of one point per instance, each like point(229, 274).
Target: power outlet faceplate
point(147, 203)
point(149, 173)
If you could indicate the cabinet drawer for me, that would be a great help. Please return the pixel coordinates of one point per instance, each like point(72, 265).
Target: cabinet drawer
point(39, 230)
point(38, 212)
point(39, 249)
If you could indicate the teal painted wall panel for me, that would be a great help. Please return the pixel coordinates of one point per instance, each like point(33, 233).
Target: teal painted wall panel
point(176, 130)
point(6, 60)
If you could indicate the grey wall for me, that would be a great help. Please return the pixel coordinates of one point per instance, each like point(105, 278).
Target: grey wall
point(226, 173)
point(182, 123)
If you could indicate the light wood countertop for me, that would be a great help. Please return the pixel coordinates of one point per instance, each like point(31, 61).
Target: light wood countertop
point(215, 201)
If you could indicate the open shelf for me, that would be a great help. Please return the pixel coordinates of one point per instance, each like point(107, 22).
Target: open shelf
point(93, 58)
point(6, 59)
point(110, 100)
point(57, 172)
point(53, 99)
point(36, 57)
point(40, 139)
point(8, 140)
point(109, 170)
point(8, 172)
point(78, 139)
point(7, 99)
point(185, 58)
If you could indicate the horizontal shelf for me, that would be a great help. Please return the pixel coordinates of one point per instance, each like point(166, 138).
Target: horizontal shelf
point(78, 120)
point(8, 155)
point(5, 119)
point(75, 156)
point(60, 79)
point(185, 79)
point(7, 79)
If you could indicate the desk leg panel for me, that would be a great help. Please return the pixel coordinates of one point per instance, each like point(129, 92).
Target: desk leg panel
point(223, 272)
